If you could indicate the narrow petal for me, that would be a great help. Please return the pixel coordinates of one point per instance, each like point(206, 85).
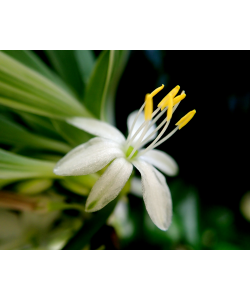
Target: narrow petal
point(88, 158)
point(156, 195)
point(161, 161)
point(138, 123)
point(98, 128)
point(109, 184)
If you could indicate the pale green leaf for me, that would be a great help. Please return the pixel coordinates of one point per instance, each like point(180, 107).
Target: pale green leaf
point(31, 60)
point(100, 92)
point(14, 166)
point(24, 89)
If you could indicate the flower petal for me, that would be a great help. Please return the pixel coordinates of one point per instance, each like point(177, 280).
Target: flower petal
point(138, 123)
point(88, 158)
point(109, 184)
point(156, 195)
point(162, 161)
point(98, 128)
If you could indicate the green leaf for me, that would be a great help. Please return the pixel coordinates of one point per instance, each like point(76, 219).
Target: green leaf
point(71, 134)
point(100, 92)
point(14, 166)
point(90, 227)
point(31, 60)
point(66, 65)
point(40, 125)
point(14, 134)
point(86, 63)
point(24, 89)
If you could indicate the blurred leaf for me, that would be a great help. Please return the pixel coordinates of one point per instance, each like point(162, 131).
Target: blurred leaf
point(100, 92)
point(31, 60)
point(33, 186)
point(80, 185)
point(86, 63)
point(71, 134)
point(90, 227)
point(187, 210)
point(24, 89)
point(66, 65)
point(40, 125)
point(14, 166)
point(15, 135)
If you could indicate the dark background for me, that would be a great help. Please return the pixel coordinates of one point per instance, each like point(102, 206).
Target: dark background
point(212, 151)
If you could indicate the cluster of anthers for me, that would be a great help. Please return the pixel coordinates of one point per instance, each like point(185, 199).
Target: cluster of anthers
point(167, 105)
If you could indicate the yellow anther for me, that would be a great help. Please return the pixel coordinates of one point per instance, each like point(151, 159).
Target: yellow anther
point(148, 107)
point(156, 91)
point(170, 109)
point(164, 101)
point(183, 121)
point(179, 98)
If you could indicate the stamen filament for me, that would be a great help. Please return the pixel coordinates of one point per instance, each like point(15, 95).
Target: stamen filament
point(143, 124)
point(158, 137)
point(165, 138)
point(136, 118)
point(162, 123)
point(159, 143)
point(137, 145)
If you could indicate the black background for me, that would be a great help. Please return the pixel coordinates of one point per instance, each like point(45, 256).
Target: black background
point(212, 151)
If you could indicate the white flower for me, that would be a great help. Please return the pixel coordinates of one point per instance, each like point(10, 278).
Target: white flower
point(111, 146)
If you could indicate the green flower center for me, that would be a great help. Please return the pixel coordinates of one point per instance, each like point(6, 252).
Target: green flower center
point(130, 149)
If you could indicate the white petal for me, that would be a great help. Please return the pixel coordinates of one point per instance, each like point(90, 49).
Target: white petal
point(156, 195)
point(138, 123)
point(88, 158)
point(109, 184)
point(162, 161)
point(98, 128)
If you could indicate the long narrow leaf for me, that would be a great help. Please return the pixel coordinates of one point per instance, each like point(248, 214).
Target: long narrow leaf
point(86, 63)
point(71, 134)
point(31, 60)
point(14, 166)
point(15, 135)
point(23, 88)
point(100, 92)
point(64, 62)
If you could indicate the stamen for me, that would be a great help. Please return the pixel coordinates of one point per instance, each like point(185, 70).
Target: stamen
point(151, 146)
point(165, 100)
point(136, 118)
point(137, 145)
point(170, 108)
point(148, 107)
point(183, 121)
point(179, 98)
point(162, 123)
point(144, 123)
point(165, 138)
point(156, 91)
